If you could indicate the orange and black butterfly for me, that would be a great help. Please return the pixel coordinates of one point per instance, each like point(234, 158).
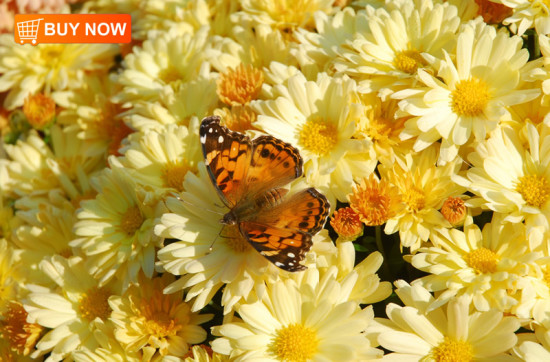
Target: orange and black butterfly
point(249, 175)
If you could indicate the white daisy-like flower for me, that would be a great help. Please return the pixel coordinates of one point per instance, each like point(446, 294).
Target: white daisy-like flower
point(115, 229)
point(303, 114)
point(382, 62)
point(450, 333)
point(489, 267)
point(534, 347)
point(72, 311)
point(510, 173)
point(160, 160)
point(48, 67)
point(307, 318)
point(468, 96)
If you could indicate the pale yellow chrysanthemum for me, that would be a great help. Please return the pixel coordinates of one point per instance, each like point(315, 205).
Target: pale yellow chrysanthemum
point(528, 14)
point(116, 228)
point(308, 317)
point(423, 187)
point(449, 333)
point(37, 167)
point(467, 9)
point(489, 266)
point(154, 323)
point(257, 45)
point(382, 62)
point(303, 114)
point(72, 311)
point(91, 110)
point(533, 347)
point(285, 15)
point(510, 173)
point(47, 228)
point(165, 61)
point(469, 97)
point(207, 257)
point(10, 285)
point(382, 127)
point(541, 69)
point(317, 50)
point(195, 99)
point(160, 160)
point(27, 70)
point(202, 353)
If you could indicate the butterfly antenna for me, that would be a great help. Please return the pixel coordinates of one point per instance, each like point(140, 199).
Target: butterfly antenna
point(205, 209)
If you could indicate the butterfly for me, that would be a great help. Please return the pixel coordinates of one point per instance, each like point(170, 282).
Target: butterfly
point(248, 176)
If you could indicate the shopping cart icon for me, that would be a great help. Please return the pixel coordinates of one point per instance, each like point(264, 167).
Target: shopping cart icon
point(28, 30)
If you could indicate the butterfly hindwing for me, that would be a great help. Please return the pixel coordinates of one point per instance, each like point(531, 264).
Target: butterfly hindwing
point(227, 157)
point(283, 247)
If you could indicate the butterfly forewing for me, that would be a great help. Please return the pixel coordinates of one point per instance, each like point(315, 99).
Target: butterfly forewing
point(283, 247)
point(227, 156)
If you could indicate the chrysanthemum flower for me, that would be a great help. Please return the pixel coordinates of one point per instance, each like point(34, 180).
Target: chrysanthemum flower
point(302, 319)
point(285, 15)
point(511, 175)
point(303, 114)
point(382, 62)
point(96, 116)
point(423, 188)
point(240, 85)
point(375, 202)
point(8, 280)
point(154, 323)
point(14, 328)
point(116, 228)
point(346, 223)
point(48, 67)
point(493, 12)
point(528, 14)
point(450, 333)
point(454, 210)
point(161, 160)
point(37, 167)
point(72, 311)
point(202, 353)
point(469, 97)
point(167, 60)
point(39, 110)
point(488, 267)
point(206, 257)
point(533, 347)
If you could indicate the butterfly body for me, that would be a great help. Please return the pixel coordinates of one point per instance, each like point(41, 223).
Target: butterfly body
point(248, 176)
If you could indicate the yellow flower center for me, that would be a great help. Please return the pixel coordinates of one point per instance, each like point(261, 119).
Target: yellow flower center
point(240, 85)
point(408, 61)
point(295, 342)
point(470, 97)
point(454, 210)
point(39, 110)
point(414, 198)
point(451, 350)
point(318, 136)
point(17, 332)
point(93, 304)
point(482, 260)
point(173, 174)
point(546, 277)
point(534, 189)
point(131, 220)
point(161, 325)
point(169, 75)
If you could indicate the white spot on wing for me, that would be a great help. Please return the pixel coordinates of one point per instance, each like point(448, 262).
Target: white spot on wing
point(203, 139)
point(220, 139)
point(291, 255)
point(279, 264)
point(210, 130)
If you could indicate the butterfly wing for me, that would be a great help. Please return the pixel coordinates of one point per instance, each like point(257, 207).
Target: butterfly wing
point(283, 247)
point(274, 164)
point(283, 233)
point(227, 157)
